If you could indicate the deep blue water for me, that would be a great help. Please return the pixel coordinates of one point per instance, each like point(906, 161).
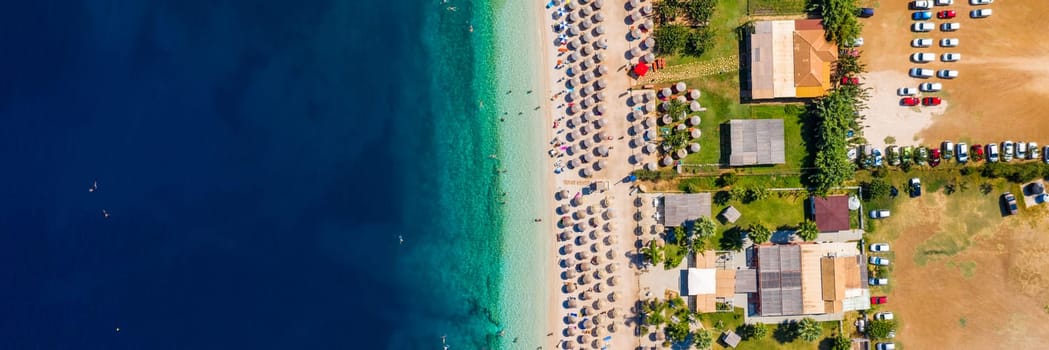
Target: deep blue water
point(258, 160)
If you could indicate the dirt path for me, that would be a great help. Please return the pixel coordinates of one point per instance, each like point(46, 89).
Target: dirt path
point(964, 278)
point(1003, 82)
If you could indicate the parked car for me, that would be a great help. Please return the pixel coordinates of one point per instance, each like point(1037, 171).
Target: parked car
point(921, 5)
point(880, 213)
point(946, 14)
point(893, 153)
point(921, 156)
point(879, 247)
point(981, 13)
point(930, 87)
point(950, 27)
point(951, 57)
point(923, 26)
point(1007, 151)
point(907, 91)
point(1021, 150)
point(963, 152)
point(906, 154)
point(878, 281)
point(948, 150)
point(1032, 151)
point(931, 101)
point(866, 12)
point(885, 346)
point(878, 300)
point(980, 2)
point(922, 57)
point(921, 15)
point(947, 74)
point(878, 159)
point(1045, 154)
point(909, 101)
point(850, 81)
point(916, 187)
point(948, 42)
point(944, 2)
point(880, 261)
point(977, 151)
point(883, 316)
point(934, 157)
point(992, 152)
point(921, 72)
point(921, 42)
point(1010, 203)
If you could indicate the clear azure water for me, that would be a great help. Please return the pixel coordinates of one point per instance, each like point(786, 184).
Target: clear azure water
point(259, 160)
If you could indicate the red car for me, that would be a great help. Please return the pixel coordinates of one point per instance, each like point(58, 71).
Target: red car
point(931, 101)
point(945, 14)
point(879, 300)
point(850, 81)
point(934, 157)
point(977, 152)
point(909, 101)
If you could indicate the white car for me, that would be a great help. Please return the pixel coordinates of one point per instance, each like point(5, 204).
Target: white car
point(1033, 152)
point(992, 152)
point(947, 74)
point(1007, 151)
point(923, 26)
point(880, 213)
point(950, 27)
point(951, 57)
point(874, 260)
point(921, 42)
point(981, 13)
point(921, 73)
point(885, 346)
point(921, 5)
point(980, 2)
point(963, 152)
point(922, 57)
point(949, 42)
point(908, 91)
point(883, 316)
point(878, 281)
point(1021, 150)
point(944, 2)
point(879, 247)
point(930, 87)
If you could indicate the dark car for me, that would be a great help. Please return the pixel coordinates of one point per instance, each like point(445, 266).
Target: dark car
point(879, 300)
point(1010, 201)
point(916, 187)
point(934, 157)
point(931, 101)
point(866, 12)
point(921, 15)
point(910, 101)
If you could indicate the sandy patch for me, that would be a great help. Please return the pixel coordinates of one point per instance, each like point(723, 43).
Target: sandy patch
point(885, 117)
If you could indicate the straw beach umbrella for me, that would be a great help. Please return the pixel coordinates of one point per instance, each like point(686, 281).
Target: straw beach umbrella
point(695, 133)
point(571, 5)
point(601, 70)
point(599, 165)
point(587, 173)
point(650, 166)
point(564, 194)
point(635, 52)
point(637, 142)
point(599, 30)
point(647, 25)
point(680, 127)
point(598, 4)
point(634, 3)
point(572, 18)
point(681, 99)
point(600, 110)
point(613, 281)
point(650, 148)
point(598, 57)
point(610, 240)
point(586, 37)
point(614, 296)
point(586, 50)
point(650, 134)
point(609, 214)
point(572, 164)
point(601, 44)
point(693, 147)
point(597, 17)
point(585, 11)
point(572, 30)
point(570, 274)
point(650, 107)
point(600, 123)
point(647, 123)
point(665, 93)
point(586, 116)
point(588, 90)
point(613, 312)
point(602, 150)
point(600, 96)
point(585, 144)
point(680, 154)
point(634, 17)
point(600, 84)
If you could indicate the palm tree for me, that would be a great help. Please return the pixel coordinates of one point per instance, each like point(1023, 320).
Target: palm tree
point(807, 230)
point(677, 109)
point(809, 330)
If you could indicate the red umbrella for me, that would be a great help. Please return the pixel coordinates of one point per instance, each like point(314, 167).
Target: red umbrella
point(640, 69)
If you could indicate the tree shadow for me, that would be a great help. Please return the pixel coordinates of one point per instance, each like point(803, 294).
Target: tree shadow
point(786, 332)
point(732, 239)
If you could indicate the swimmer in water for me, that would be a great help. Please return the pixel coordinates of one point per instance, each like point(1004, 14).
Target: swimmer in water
point(105, 214)
point(400, 238)
point(94, 186)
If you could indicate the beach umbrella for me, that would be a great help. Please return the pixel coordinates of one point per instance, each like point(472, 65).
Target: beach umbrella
point(595, 221)
point(597, 260)
point(574, 122)
point(600, 96)
point(586, 37)
point(681, 153)
point(610, 240)
point(647, 123)
point(582, 255)
point(572, 30)
point(613, 281)
point(680, 127)
point(572, 164)
point(599, 305)
point(665, 93)
point(586, 310)
point(612, 327)
point(635, 17)
point(637, 141)
point(694, 106)
point(586, 324)
point(571, 5)
point(573, 136)
point(634, 3)
point(650, 107)
point(649, 96)
point(570, 273)
point(599, 30)
point(597, 17)
point(569, 345)
point(585, 103)
point(613, 296)
point(586, 279)
point(564, 236)
point(664, 106)
point(609, 214)
point(601, 135)
point(586, 158)
point(572, 17)
point(585, 25)
point(650, 166)
point(587, 295)
point(693, 120)
point(600, 164)
point(610, 226)
point(572, 303)
point(650, 134)
point(594, 99)
point(649, 43)
point(666, 119)
point(605, 202)
point(568, 249)
point(635, 34)
point(587, 173)
point(601, 70)
point(578, 215)
point(574, 56)
point(679, 87)
point(601, 44)
point(565, 193)
point(646, 9)
point(589, 89)
point(693, 94)
point(667, 161)
point(600, 123)
point(695, 133)
point(598, 57)
point(635, 52)
point(600, 84)
point(579, 227)
point(598, 4)
point(646, 26)
point(693, 147)
point(586, 50)
point(585, 11)
point(602, 150)
point(637, 99)
point(681, 99)
point(600, 110)
point(573, 109)
point(574, 44)
point(585, 144)
point(585, 129)
point(613, 312)
point(598, 319)
point(577, 201)
point(649, 58)
point(590, 209)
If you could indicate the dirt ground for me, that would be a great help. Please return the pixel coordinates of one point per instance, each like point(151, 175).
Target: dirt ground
point(964, 277)
point(1003, 82)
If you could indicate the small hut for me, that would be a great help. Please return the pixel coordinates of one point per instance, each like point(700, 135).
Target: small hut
point(731, 214)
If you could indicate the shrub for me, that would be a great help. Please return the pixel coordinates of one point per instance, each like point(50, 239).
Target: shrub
point(759, 233)
point(879, 329)
point(809, 330)
point(699, 11)
point(677, 332)
point(807, 230)
point(702, 339)
point(753, 331)
point(699, 41)
point(876, 188)
point(840, 342)
point(727, 179)
point(722, 197)
point(670, 38)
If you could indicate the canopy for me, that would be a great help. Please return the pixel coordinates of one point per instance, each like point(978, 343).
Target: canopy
point(700, 281)
point(640, 69)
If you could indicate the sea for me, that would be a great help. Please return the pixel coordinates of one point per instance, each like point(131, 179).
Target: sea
point(270, 174)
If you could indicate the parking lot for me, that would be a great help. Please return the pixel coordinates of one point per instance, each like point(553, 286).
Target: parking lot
point(1001, 89)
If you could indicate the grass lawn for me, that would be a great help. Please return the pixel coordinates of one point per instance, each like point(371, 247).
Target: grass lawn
point(728, 15)
point(733, 320)
point(775, 7)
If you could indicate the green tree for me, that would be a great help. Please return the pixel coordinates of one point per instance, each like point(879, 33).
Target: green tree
point(840, 342)
point(754, 331)
point(677, 109)
point(668, 10)
point(727, 179)
point(759, 233)
point(699, 11)
point(670, 38)
point(876, 188)
point(704, 226)
point(880, 329)
point(653, 254)
point(699, 41)
point(678, 331)
point(702, 339)
point(809, 330)
point(722, 197)
point(807, 230)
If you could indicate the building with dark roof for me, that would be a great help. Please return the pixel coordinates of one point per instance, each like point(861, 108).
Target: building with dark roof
point(756, 142)
point(805, 279)
point(679, 208)
point(779, 280)
point(831, 213)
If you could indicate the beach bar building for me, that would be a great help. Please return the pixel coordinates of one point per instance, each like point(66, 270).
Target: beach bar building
point(680, 208)
point(756, 142)
point(807, 279)
point(790, 59)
